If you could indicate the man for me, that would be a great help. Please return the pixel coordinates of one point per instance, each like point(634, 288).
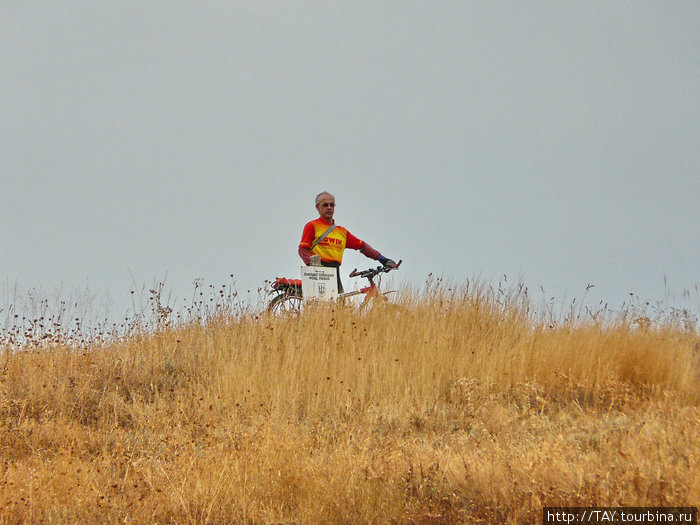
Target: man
point(323, 237)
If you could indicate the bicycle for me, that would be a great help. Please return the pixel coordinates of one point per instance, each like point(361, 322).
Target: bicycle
point(289, 296)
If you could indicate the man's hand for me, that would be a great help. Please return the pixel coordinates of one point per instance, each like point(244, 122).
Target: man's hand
point(387, 262)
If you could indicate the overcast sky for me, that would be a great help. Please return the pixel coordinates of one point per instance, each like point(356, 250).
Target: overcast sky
point(553, 142)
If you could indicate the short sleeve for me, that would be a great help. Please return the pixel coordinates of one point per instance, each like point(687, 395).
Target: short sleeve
point(307, 236)
point(353, 242)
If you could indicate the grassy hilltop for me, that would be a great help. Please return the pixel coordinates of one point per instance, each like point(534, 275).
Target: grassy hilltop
point(457, 407)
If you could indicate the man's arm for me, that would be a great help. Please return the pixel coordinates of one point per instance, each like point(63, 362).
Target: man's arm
point(307, 237)
point(368, 251)
point(374, 254)
point(305, 254)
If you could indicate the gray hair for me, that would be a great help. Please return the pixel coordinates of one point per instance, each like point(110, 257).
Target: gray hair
point(323, 193)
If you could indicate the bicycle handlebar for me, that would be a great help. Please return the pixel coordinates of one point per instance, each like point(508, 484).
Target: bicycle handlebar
point(373, 271)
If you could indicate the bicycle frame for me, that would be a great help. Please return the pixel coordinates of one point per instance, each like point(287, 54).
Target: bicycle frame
point(370, 291)
point(290, 289)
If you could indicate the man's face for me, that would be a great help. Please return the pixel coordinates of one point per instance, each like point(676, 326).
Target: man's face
point(326, 206)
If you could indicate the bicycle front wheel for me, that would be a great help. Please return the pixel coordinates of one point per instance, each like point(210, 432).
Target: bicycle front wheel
point(285, 303)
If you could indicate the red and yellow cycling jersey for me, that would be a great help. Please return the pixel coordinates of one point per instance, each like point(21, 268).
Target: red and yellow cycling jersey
point(332, 247)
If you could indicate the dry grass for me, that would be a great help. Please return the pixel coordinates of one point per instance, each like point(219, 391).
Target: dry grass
point(455, 408)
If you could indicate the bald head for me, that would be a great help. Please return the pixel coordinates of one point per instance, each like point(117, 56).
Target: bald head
point(325, 205)
point(321, 195)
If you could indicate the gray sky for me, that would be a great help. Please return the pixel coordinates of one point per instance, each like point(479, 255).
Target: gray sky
point(557, 142)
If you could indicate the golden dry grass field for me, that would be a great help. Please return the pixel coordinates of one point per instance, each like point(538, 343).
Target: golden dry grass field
point(455, 407)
